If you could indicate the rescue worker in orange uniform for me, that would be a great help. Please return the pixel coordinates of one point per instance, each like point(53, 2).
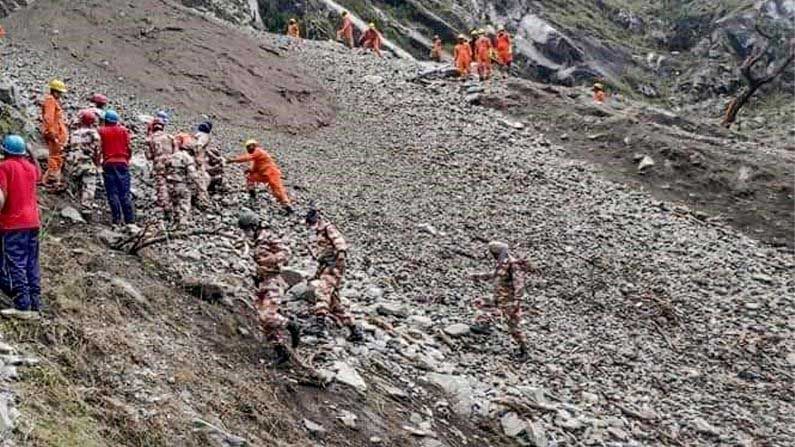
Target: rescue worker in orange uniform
point(483, 50)
point(436, 49)
point(462, 56)
point(345, 33)
point(293, 30)
point(371, 39)
point(599, 92)
point(263, 170)
point(504, 47)
point(53, 128)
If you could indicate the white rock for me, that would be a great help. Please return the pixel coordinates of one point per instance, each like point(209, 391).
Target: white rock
point(72, 214)
point(314, 428)
point(348, 419)
point(645, 163)
point(457, 330)
point(128, 289)
point(512, 424)
point(346, 374)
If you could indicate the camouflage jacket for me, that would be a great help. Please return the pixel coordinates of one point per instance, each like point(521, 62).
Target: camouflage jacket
point(84, 147)
point(159, 148)
point(215, 161)
point(181, 168)
point(270, 253)
point(328, 242)
point(508, 276)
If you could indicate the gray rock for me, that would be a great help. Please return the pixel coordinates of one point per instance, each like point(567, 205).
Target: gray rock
point(762, 278)
point(345, 373)
point(293, 276)
point(791, 358)
point(108, 237)
point(537, 434)
point(391, 309)
point(512, 424)
point(702, 426)
point(8, 92)
point(420, 322)
point(19, 314)
point(373, 79)
point(374, 292)
point(302, 291)
point(6, 419)
point(457, 330)
point(459, 388)
point(72, 214)
point(5, 348)
point(314, 428)
point(123, 287)
point(645, 163)
point(218, 433)
point(348, 419)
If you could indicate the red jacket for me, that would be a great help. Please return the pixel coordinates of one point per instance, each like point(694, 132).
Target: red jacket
point(18, 177)
point(115, 144)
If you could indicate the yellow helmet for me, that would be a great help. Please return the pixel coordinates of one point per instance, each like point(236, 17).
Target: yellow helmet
point(598, 86)
point(474, 32)
point(58, 86)
point(462, 37)
point(371, 25)
point(292, 20)
point(249, 142)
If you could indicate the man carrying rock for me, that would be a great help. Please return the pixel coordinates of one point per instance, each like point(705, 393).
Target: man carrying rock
point(182, 178)
point(270, 255)
point(82, 158)
point(159, 148)
point(19, 225)
point(329, 249)
point(509, 283)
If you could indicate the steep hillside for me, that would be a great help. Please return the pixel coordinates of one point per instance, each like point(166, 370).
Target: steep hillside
point(649, 324)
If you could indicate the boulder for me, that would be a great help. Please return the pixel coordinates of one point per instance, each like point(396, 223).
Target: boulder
point(72, 214)
point(457, 330)
point(345, 373)
point(512, 424)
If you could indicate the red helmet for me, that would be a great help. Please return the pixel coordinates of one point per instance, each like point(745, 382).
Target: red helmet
point(87, 117)
point(99, 99)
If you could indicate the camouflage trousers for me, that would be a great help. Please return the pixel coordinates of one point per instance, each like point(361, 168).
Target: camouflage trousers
point(199, 190)
point(274, 324)
point(491, 310)
point(327, 284)
point(162, 200)
point(180, 195)
point(83, 180)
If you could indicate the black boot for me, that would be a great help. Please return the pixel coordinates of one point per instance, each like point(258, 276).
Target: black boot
point(481, 329)
point(252, 197)
point(521, 354)
point(295, 333)
point(318, 327)
point(356, 334)
point(282, 355)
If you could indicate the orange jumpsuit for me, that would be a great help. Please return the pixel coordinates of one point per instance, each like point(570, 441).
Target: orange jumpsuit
point(463, 58)
point(504, 48)
point(293, 30)
point(371, 39)
point(483, 49)
point(436, 50)
point(53, 127)
point(263, 170)
point(346, 32)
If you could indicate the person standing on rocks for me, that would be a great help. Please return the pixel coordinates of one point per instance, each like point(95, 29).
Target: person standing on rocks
point(371, 39)
point(83, 156)
point(504, 47)
point(599, 92)
point(436, 49)
point(161, 115)
point(345, 33)
point(201, 140)
point(263, 170)
point(270, 255)
point(19, 225)
point(55, 133)
point(509, 283)
point(215, 169)
point(293, 29)
point(159, 148)
point(116, 154)
point(462, 55)
point(329, 249)
point(483, 52)
point(182, 178)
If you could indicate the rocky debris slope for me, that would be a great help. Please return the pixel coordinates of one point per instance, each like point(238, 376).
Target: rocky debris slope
point(648, 325)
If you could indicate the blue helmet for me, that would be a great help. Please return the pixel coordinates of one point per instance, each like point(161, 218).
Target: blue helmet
point(205, 127)
point(14, 145)
point(163, 115)
point(111, 117)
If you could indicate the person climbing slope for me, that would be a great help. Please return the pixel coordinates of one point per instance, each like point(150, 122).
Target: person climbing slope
point(55, 133)
point(159, 148)
point(345, 33)
point(504, 47)
point(436, 49)
point(462, 56)
point(293, 30)
point(82, 161)
point(371, 39)
point(483, 53)
point(116, 154)
point(263, 170)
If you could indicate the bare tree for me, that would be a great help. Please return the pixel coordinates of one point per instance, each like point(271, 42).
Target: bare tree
point(754, 81)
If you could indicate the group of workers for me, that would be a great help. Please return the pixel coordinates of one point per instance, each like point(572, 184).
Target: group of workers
point(186, 171)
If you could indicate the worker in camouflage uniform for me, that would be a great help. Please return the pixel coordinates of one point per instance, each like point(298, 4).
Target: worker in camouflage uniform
point(82, 161)
point(509, 283)
point(182, 179)
point(270, 255)
point(201, 143)
point(215, 169)
point(159, 148)
point(329, 249)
